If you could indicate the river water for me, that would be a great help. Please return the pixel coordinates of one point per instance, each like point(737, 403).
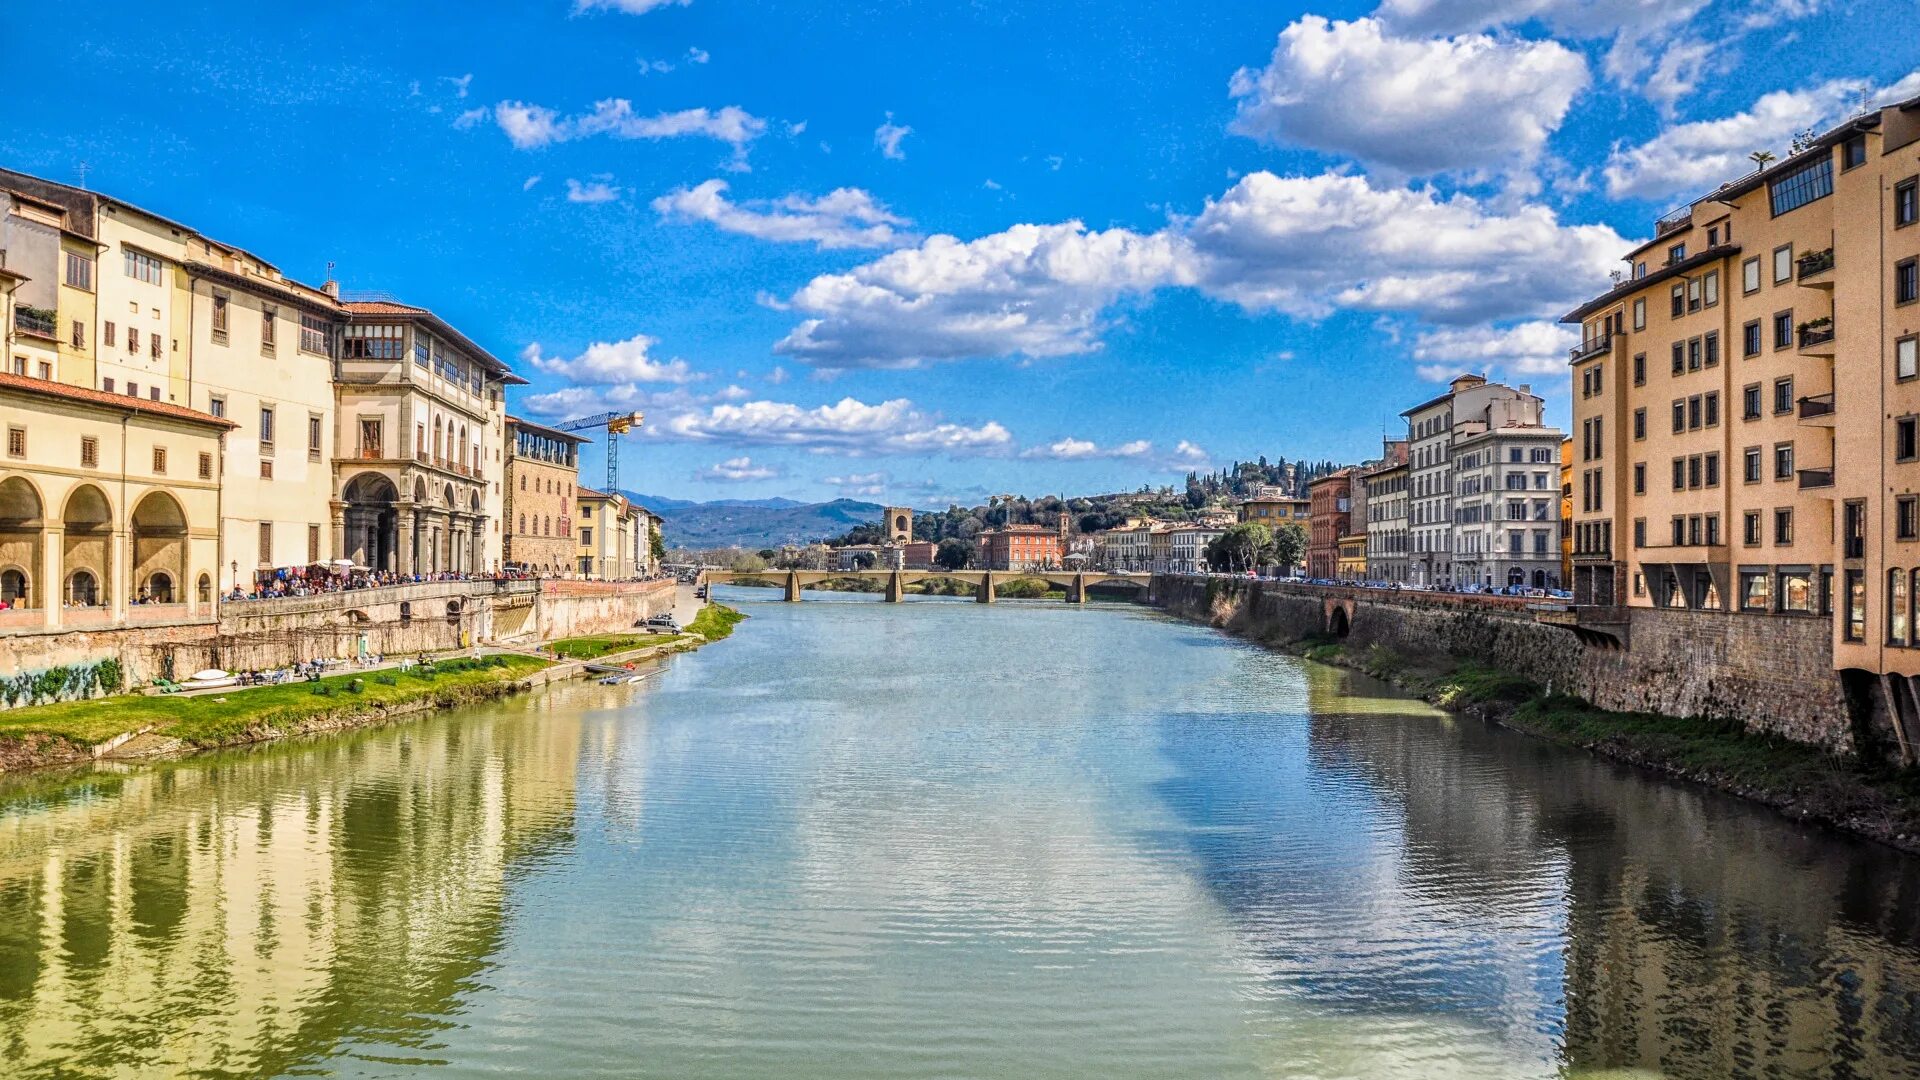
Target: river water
point(940, 839)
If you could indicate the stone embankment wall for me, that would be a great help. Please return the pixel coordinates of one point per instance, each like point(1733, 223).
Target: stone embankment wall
point(395, 620)
point(1766, 674)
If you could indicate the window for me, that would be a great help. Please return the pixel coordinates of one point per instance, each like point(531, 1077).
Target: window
point(315, 335)
point(1693, 355)
point(1783, 526)
point(1750, 275)
point(1693, 471)
point(133, 389)
point(1679, 301)
point(1809, 183)
point(106, 335)
point(133, 341)
point(1713, 469)
point(217, 406)
point(1906, 358)
point(1639, 369)
point(153, 393)
point(1639, 478)
point(1639, 424)
point(268, 316)
point(1783, 329)
point(79, 335)
point(79, 271)
point(1750, 528)
point(107, 385)
point(1676, 253)
point(1713, 530)
point(1679, 474)
point(1639, 532)
point(1853, 152)
point(1679, 357)
point(1640, 313)
point(1694, 413)
point(1783, 461)
point(1750, 402)
point(1795, 590)
point(1750, 338)
point(1856, 598)
point(1679, 415)
point(89, 452)
point(142, 266)
point(1783, 264)
point(1713, 237)
point(1906, 518)
point(372, 342)
point(1750, 465)
point(1783, 395)
point(160, 461)
point(1906, 202)
point(1853, 529)
point(313, 544)
point(1904, 443)
point(153, 346)
point(266, 468)
point(313, 436)
point(221, 301)
point(1896, 607)
point(1679, 525)
point(266, 426)
point(266, 543)
point(16, 442)
point(1755, 592)
point(44, 371)
point(1906, 281)
point(206, 466)
point(1711, 346)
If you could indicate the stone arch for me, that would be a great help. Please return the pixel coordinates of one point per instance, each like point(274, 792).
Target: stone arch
point(203, 594)
point(22, 519)
point(453, 611)
point(86, 546)
point(158, 528)
point(371, 520)
point(356, 617)
point(1339, 623)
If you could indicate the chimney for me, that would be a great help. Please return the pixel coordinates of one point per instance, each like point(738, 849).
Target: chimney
point(331, 288)
point(1526, 388)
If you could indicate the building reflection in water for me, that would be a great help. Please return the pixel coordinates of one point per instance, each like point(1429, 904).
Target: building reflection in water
point(241, 915)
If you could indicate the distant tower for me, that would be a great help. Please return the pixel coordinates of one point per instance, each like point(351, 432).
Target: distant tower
point(899, 524)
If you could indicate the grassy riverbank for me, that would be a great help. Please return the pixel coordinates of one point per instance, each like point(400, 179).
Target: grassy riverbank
point(595, 646)
point(1801, 781)
point(43, 734)
point(715, 621)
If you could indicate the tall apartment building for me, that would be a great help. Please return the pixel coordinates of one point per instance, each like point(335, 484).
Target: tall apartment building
point(1747, 401)
point(1331, 519)
point(1506, 505)
point(1386, 513)
point(543, 467)
point(1471, 406)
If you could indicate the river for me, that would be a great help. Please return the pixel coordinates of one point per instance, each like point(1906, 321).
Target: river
point(941, 839)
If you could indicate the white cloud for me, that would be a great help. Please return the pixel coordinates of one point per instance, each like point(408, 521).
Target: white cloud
point(605, 363)
point(843, 218)
point(887, 137)
point(1529, 348)
point(868, 485)
point(1189, 455)
point(1767, 13)
point(472, 118)
point(848, 426)
point(630, 7)
point(777, 376)
point(654, 67)
point(1409, 104)
point(530, 182)
point(698, 56)
point(461, 83)
point(530, 126)
point(593, 191)
point(1305, 246)
point(991, 184)
point(739, 470)
point(1032, 290)
point(1634, 27)
point(1693, 158)
point(1071, 449)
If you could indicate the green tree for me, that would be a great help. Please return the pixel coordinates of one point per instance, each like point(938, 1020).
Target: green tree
point(1289, 545)
point(953, 554)
point(656, 544)
point(1245, 546)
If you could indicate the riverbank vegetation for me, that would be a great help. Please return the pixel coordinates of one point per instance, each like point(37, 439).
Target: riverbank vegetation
point(1799, 780)
point(715, 622)
point(253, 714)
point(595, 646)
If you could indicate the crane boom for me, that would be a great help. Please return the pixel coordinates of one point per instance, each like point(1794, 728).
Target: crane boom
point(617, 424)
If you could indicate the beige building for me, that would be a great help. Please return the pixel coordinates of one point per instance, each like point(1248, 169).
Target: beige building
point(613, 540)
point(1470, 407)
point(422, 421)
point(1386, 522)
point(1128, 549)
point(1745, 401)
point(542, 472)
point(108, 507)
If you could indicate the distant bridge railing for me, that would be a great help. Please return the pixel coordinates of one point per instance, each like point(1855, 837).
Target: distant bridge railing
point(987, 583)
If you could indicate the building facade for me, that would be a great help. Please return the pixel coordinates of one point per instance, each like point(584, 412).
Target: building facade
point(1331, 497)
point(1187, 547)
point(542, 471)
point(1506, 506)
point(1470, 406)
point(1274, 510)
point(1021, 547)
point(1128, 549)
point(1386, 527)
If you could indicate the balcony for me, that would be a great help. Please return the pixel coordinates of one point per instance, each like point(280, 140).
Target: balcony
point(371, 453)
point(1674, 221)
point(1816, 336)
point(36, 322)
point(1816, 478)
point(1591, 348)
point(1815, 269)
point(1817, 409)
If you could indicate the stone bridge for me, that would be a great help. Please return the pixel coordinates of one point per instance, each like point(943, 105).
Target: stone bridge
point(985, 583)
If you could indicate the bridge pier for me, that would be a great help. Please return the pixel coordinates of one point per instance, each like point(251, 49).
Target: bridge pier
point(896, 587)
point(793, 586)
point(1077, 590)
point(985, 595)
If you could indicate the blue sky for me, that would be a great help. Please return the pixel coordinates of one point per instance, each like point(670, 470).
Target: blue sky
point(923, 251)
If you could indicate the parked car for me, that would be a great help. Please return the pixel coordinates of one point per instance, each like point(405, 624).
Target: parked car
point(663, 621)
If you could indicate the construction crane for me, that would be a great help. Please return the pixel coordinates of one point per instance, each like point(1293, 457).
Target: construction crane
point(617, 424)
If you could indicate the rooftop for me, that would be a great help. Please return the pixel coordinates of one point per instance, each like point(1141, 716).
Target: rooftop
point(85, 395)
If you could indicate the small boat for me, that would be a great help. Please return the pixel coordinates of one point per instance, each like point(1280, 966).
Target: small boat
point(209, 679)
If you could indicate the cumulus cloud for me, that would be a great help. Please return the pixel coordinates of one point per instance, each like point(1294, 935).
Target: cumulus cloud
point(887, 138)
point(1637, 29)
point(1071, 449)
point(843, 218)
point(593, 191)
point(849, 426)
point(1032, 290)
point(867, 485)
point(630, 7)
point(1693, 158)
point(698, 56)
point(471, 118)
point(739, 470)
point(530, 126)
point(1188, 455)
point(1536, 347)
point(1414, 105)
point(528, 184)
point(605, 362)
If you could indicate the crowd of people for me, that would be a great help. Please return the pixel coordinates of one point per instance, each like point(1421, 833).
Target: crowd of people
point(302, 581)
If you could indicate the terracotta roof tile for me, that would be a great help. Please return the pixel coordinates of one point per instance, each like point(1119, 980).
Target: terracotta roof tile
point(383, 307)
point(119, 401)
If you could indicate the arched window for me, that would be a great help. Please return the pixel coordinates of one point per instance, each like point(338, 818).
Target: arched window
point(205, 589)
point(13, 587)
point(159, 588)
point(523, 481)
point(83, 589)
point(523, 525)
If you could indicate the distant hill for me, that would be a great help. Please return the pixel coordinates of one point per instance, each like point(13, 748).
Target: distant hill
point(754, 523)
